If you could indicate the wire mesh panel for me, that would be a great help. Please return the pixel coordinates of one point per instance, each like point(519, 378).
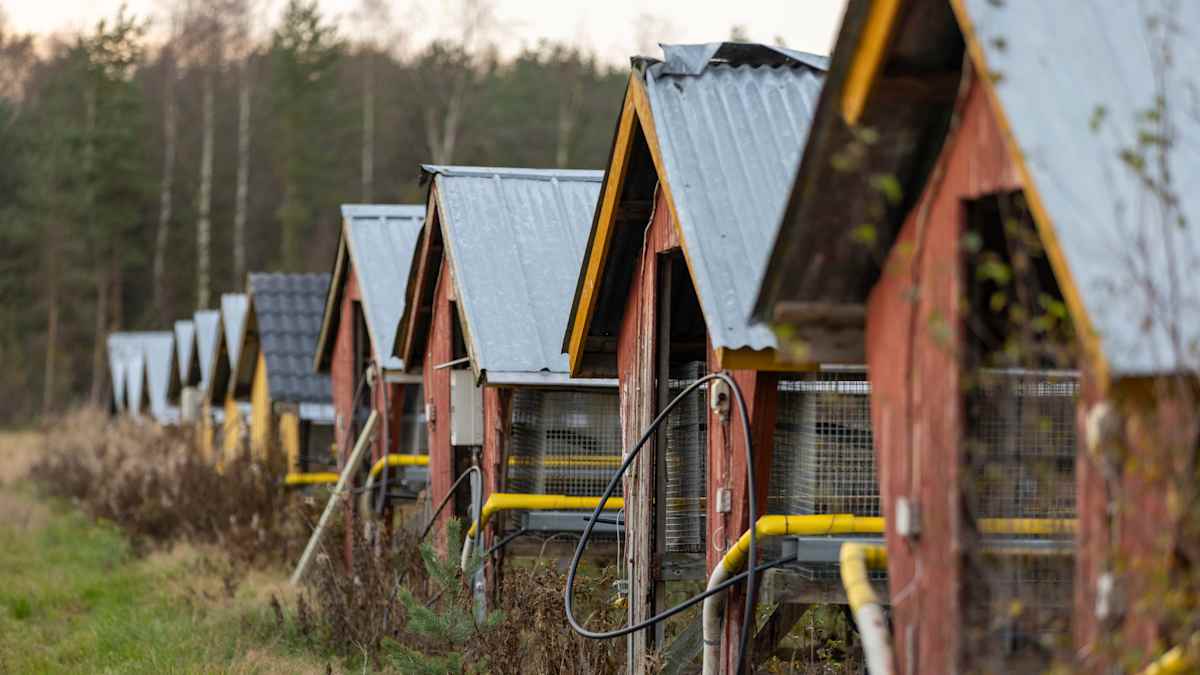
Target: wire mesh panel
point(824, 459)
point(1020, 463)
point(686, 460)
point(563, 442)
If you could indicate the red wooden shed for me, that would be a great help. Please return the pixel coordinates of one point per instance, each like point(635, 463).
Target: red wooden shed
point(699, 173)
point(486, 306)
point(363, 308)
point(955, 193)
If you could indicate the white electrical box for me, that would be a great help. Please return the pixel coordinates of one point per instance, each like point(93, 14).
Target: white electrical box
point(466, 409)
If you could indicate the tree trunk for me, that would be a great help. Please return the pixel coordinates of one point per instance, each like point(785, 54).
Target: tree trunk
point(51, 336)
point(204, 222)
point(161, 237)
point(368, 138)
point(95, 396)
point(568, 112)
point(243, 175)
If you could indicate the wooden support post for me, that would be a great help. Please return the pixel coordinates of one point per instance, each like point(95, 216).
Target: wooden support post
point(338, 496)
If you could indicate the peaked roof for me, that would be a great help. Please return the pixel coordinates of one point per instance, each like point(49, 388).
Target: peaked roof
point(119, 352)
point(283, 321)
point(185, 343)
point(378, 241)
point(514, 240)
point(160, 371)
point(1095, 209)
point(1112, 256)
point(725, 124)
point(135, 381)
point(208, 330)
point(226, 352)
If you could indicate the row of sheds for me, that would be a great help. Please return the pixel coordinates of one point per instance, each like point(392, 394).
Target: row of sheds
point(771, 214)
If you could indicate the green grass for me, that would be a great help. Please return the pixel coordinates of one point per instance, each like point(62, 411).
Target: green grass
point(73, 598)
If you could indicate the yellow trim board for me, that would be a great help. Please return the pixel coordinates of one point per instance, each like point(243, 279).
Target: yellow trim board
point(1088, 336)
point(758, 359)
point(869, 56)
point(604, 229)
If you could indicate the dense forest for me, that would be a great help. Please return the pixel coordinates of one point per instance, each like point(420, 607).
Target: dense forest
point(145, 168)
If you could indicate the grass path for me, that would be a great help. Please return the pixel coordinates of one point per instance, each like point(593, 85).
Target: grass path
point(73, 599)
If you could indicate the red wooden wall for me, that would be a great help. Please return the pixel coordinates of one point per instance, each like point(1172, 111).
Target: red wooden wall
point(913, 348)
point(440, 349)
point(636, 349)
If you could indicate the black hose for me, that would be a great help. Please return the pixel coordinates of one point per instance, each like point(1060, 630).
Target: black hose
point(450, 493)
point(504, 542)
point(751, 568)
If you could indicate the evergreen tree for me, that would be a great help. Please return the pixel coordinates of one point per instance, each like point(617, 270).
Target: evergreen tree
point(305, 53)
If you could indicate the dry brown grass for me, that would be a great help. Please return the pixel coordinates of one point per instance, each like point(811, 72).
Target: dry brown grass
point(19, 450)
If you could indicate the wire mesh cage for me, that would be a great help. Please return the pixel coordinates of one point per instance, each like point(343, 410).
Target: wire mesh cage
point(1020, 463)
point(824, 456)
point(686, 460)
point(563, 442)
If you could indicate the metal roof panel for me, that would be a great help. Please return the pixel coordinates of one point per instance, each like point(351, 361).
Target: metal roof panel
point(515, 238)
point(1075, 83)
point(382, 241)
point(730, 139)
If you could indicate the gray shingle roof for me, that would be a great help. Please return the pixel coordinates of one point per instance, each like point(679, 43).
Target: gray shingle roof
point(287, 312)
point(515, 239)
point(730, 139)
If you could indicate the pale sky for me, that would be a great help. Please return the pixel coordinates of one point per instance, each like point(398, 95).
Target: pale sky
point(613, 29)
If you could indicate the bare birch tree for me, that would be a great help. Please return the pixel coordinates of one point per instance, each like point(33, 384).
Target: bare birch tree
point(456, 65)
point(242, 42)
point(166, 185)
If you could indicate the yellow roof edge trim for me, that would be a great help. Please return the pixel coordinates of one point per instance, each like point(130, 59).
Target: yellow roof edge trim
point(605, 221)
point(768, 360)
point(1088, 336)
point(869, 56)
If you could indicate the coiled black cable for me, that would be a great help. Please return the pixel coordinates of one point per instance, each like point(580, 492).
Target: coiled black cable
point(751, 569)
point(446, 500)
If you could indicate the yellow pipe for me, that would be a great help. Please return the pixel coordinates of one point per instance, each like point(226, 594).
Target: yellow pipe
point(1179, 659)
point(502, 501)
point(567, 460)
point(310, 478)
point(779, 526)
point(1027, 526)
point(855, 560)
point(398, 460)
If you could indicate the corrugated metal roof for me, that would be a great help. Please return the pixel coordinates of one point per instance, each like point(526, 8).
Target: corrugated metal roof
point(135, 379)
point(515, 238)
point(287, 312)
point(185, 342)
point(159, 351)
point(208, 326)
point(730, 139)
point(233, 320)
point(119, 352)
point(1075, 82)
point(382, 241)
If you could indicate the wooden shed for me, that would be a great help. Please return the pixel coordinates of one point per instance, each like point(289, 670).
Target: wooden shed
point(291, 407)
point(487, 302)
point(232, 435)
point(161, 375)
point(183, 394)
point(362, 310)
point(118, 360)
point(699, 172)
point(967, 188)
point(204, 359)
